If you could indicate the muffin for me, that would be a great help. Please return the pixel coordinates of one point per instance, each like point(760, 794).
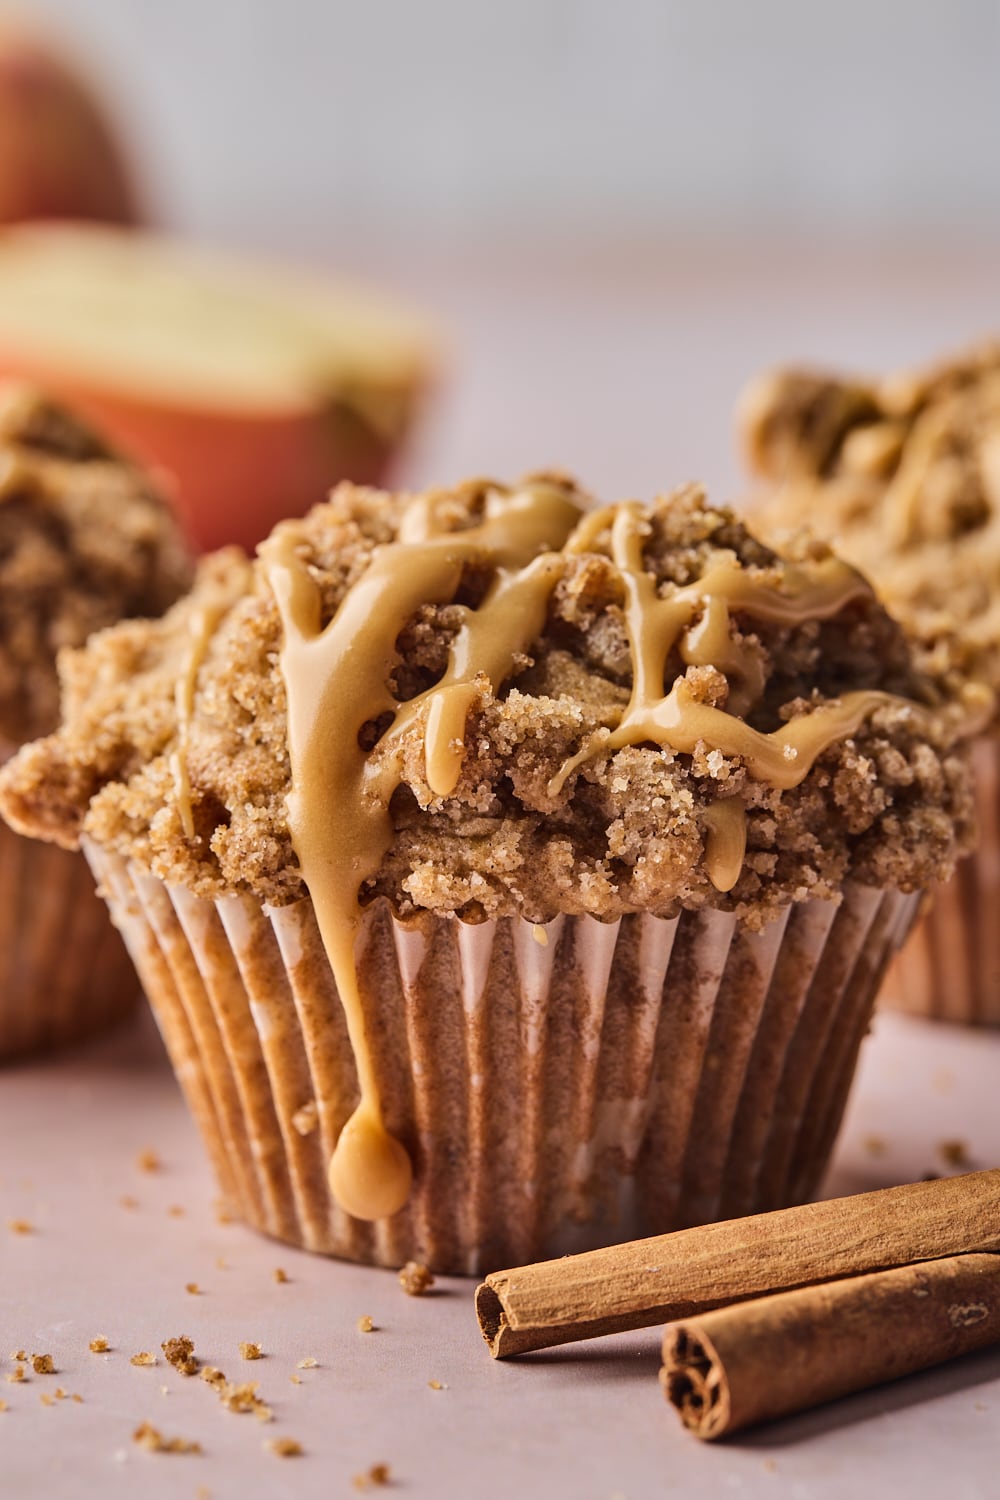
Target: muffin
point(903, 475)
point(507, 875)
point(84, 541)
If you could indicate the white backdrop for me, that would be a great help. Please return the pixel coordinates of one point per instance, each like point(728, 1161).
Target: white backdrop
point(304, 122)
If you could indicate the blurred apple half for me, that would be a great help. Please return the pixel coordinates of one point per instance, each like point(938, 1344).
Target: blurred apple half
point(254, 387)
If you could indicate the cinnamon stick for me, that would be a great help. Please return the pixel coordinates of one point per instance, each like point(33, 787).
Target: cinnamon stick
point(679, 1275)
point(776, 1355)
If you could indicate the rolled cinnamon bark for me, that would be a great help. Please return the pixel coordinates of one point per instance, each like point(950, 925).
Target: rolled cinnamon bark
point(767, 1358)
point(679, 1275)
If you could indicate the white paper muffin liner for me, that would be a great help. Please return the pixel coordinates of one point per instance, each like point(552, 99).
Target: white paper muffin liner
point(557, 1088)
point(950, 968)
point(64, 971)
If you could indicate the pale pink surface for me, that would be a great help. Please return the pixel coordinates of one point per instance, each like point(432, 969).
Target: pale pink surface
point(627, 374)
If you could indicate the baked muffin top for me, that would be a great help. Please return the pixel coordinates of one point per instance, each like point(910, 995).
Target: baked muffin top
point(514, 703)
point(903, 476)
point(84, 540)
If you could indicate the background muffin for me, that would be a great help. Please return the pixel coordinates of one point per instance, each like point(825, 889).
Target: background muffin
point(607, 823)
point(84, 540)
point(903, 475)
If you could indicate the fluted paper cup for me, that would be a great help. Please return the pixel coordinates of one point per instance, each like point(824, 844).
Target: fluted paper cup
point(64, 971)
point(557, 1087)
point(950, 968)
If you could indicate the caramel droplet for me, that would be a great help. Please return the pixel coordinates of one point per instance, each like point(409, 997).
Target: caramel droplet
point(370, 1173)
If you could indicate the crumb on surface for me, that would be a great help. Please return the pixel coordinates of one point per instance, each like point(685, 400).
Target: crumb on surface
point(437, 1385)
point(46, 1399)
point(193, 1289)
point(151, 1438)
point(284, 1447)
point(4, 1405)
point(20, 1226)
point(250, 1351)
point(77, 1398)
point(179, 1352)
point(378, 1474)
point(280, 1276)
point(16, 1376)
point(43, 1364)
point(99, 1345)
point(148, 1161)
point(19, 1354)
point(295, 1379)
point(143, 1358)
point(366, 1323)
point(306, 1119)
point(309, 1363)
point(176, 1211)
point(875, 1145)
point(223, 1213)
point(127, 1201)
point(415, 1278)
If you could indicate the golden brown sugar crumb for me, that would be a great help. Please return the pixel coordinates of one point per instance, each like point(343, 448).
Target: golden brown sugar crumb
point(280, 1276)
point(59, 1393)
point(4, 1405)
point(148, 1161)
point(223, 1213)
point(151, 1438)
point(955, 1154)
point(127, 1201)
point(84, 541)
point(143, 1358)
point(46, 1399)
point(179, 1352)
point(875, 1145)
point(415, 1279)
point(309, 1363)
point(284, 1447)
point(213, 1375)
point(99, 1345)
point(19, 1354)
point(193, 1289)
point(16, 1376)
point(378, 1474)
point(176, 1211)
point(20, 1226)
point(295, 1379)
point(901, 474)
point(77, 1398)
point(366, 1324)
point(306, 1119)
point(43, 1364)
point(250, 1351)
point(628, 828)
point(437, 1385)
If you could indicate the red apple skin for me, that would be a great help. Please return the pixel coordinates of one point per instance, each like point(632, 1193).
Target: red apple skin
point(231, 475)
point(59, 158)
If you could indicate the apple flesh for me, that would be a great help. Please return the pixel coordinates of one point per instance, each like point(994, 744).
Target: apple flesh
point(59, 157)
point(253, 389)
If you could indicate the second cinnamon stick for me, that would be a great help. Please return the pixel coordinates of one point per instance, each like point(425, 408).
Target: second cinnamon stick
point(678, 1275)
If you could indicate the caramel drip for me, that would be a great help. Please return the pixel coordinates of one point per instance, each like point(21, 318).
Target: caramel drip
point(726, 844)
point(337, 681)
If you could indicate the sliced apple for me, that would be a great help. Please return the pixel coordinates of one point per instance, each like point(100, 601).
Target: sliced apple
point(255, 388)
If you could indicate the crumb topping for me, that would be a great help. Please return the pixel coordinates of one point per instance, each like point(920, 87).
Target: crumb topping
point(903, 475)
point(625, 830)
point(85, 540)
point(415, 1278)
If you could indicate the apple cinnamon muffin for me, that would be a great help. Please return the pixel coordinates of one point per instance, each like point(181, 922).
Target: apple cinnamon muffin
point(903, 476)
point(84, 541)
point(507, 874)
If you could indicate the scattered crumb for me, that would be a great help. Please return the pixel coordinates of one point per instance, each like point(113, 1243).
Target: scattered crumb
point(284, 1447)
point(99, 1345)
point(365, 1323)
point(4, 1406)
point(241, 1396)
point(203, 1493)
point(771, 1465)
point(179, 1352)
point(437, 1385)
point(193, 1289)
point(223, 1213)
point(46, 1399)
point(148, 1161)
point(20, 1226)
point(164, 1390)
point(149, 1437)
point(16, 1375)
point(376, 1475)
point(306, 1119)
point(251, 1351)
point(77, 1398)
point(295, 1379)
point(19, 1355)
point(309, 1363)
point(176, 1210)
point(59, 1393)
point(42, 1364)
point(279, 1275)
point(127, 1201)
point(874, 1144)
point(955, 1153)
point(213, 1375)
point(221, 1263)
point(415, 1278)
point(143, 1358)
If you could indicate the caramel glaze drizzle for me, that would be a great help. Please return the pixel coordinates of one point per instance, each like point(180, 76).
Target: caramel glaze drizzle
point(337, 681)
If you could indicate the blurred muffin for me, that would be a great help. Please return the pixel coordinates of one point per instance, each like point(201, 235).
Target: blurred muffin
point(903, 476)
point(506, 876)
point(84, 540)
